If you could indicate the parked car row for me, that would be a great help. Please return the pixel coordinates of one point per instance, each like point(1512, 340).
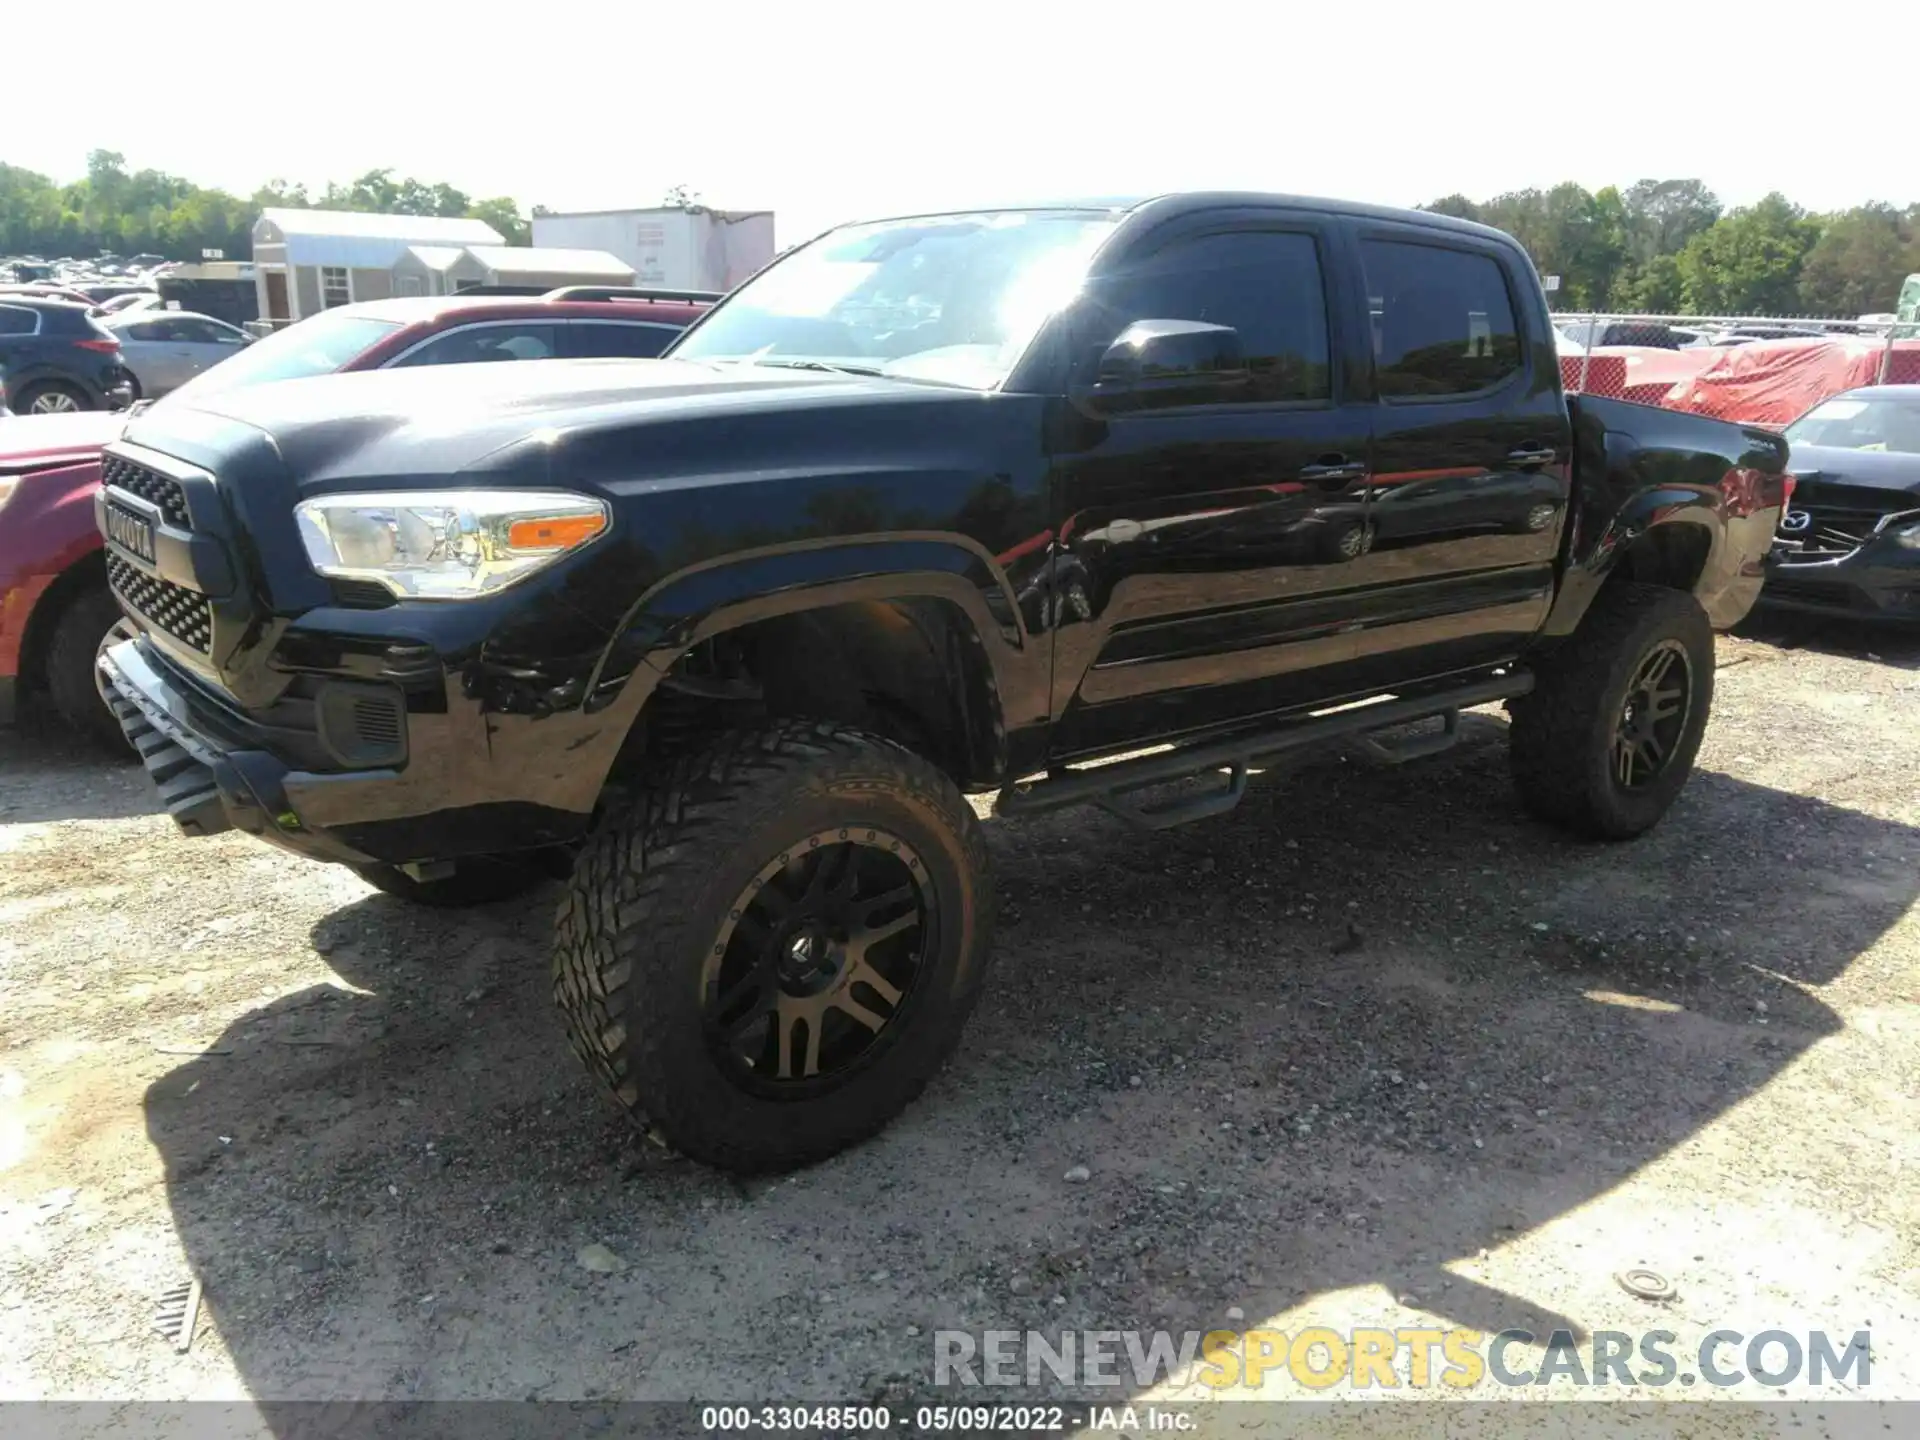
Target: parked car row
point(54, 598)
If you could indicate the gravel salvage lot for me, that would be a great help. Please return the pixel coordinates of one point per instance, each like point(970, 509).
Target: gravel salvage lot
point(1372, 1050)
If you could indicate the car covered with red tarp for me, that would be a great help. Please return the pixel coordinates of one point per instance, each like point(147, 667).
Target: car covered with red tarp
point(1774, 382)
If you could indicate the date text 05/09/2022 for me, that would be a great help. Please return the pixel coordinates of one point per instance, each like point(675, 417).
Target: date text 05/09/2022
point(940, 1419)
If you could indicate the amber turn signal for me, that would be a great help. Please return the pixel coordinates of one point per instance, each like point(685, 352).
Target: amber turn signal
point(554, 532)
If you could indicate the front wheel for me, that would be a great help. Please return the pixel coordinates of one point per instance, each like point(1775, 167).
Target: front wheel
point(771, 954)
point(83, 629)
point(1607, 738)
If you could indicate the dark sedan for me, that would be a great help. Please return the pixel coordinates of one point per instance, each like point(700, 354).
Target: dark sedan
point(1849, 543)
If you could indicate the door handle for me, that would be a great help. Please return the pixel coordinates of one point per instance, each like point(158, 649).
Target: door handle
point(1334, 474)
point(1532, 455)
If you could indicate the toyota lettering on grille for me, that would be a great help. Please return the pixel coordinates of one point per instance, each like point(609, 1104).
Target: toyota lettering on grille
point(130, 532)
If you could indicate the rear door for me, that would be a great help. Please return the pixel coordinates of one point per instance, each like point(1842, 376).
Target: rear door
point(147, 349)
point(1204, 551)
point(201, 344)
point(1472, 448)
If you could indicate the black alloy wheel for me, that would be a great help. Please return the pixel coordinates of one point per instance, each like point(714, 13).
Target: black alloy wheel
point(816, 958)
point(1659, 703)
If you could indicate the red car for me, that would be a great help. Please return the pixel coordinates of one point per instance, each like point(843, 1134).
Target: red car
point(54, 602)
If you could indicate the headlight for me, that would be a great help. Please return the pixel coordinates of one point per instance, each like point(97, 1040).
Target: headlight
point(1908, 536)
point(446, 545)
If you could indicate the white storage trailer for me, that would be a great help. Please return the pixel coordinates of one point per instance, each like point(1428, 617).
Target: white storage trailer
point(696, 249)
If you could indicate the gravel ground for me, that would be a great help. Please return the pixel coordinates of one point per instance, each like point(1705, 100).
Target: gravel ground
point(1373, 1050)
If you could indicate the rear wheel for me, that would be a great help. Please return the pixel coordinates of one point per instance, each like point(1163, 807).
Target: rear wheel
point(768, 958)
point(78, 634)
point(52, 397)
point(1608, 736)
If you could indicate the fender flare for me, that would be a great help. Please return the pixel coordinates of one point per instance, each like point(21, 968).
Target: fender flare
point(1595, 555)
point(696, 604)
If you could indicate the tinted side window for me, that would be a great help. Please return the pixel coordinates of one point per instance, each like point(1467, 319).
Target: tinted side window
point(485, 342)
point(1265, 284)
point(151, 330)
point(15, 321)
point(1443, 319)
point(615, 337)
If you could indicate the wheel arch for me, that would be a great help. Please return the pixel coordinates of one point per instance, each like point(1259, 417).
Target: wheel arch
point(1673, 539)
point(86, 574)
point(932, 652)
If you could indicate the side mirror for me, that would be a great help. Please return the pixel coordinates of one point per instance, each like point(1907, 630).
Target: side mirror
point(1156, 363)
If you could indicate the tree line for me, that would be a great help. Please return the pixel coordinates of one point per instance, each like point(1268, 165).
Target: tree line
point(1662, 246)
point(145, 212)
point(1670, 247)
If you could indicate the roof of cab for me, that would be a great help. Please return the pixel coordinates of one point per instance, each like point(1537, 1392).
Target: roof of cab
point(1174, 202)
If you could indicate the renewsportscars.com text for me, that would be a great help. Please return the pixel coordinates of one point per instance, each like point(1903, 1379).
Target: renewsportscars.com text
point(1320, 1358)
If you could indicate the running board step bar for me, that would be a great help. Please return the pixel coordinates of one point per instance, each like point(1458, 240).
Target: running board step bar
point(1111, 786)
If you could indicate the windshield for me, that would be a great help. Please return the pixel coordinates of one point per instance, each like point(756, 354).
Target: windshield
point(1855, 422)
point(316, 346)
point(950, 298)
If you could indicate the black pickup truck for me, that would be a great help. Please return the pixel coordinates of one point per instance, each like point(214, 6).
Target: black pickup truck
point(953, 503)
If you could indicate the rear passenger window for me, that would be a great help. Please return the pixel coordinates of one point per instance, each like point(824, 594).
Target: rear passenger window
point(489, 341)
point(1442, 320)
point(1265, 284)
point(16, 321)
point(620, 338)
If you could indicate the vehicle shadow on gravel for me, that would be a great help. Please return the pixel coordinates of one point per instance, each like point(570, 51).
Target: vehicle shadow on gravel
point(1355, 1034)
point(49, 773)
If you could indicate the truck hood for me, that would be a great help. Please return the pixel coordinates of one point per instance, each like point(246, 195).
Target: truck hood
point(440, 420)
point(1874, 469)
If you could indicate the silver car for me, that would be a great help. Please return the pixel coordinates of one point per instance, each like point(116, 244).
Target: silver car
point(165, 349)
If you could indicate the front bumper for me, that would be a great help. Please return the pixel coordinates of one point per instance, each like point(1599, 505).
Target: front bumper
point(1880, 581)
point(208, 778)
point(220, 768)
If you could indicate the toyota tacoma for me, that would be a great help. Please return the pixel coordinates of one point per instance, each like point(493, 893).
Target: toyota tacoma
point(1064, 503)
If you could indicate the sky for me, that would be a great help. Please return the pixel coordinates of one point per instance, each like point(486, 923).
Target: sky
point(824, 112)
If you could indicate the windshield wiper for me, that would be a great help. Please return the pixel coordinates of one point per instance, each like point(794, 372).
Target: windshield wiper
point(786, 364)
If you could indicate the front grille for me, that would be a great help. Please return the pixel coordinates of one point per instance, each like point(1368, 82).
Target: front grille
point(1839, 519)
point(180, 612)
point(149, 485)
point(1831, 533)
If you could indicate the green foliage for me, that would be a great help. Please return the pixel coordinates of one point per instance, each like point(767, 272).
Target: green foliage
point(1667, 247)
point(1857, 264)
point(149, 211)
point(1748, 261)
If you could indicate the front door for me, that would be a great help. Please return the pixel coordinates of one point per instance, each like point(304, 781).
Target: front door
point(1472, 448)
point(1203, 550)
point(277, 295)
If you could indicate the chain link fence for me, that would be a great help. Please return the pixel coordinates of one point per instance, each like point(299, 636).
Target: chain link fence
point(1755, 369)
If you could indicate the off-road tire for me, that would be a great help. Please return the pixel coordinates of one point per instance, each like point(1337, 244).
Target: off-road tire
point(653, 888)
point(478, 880)
point(71, 653)
point(1562, 732)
